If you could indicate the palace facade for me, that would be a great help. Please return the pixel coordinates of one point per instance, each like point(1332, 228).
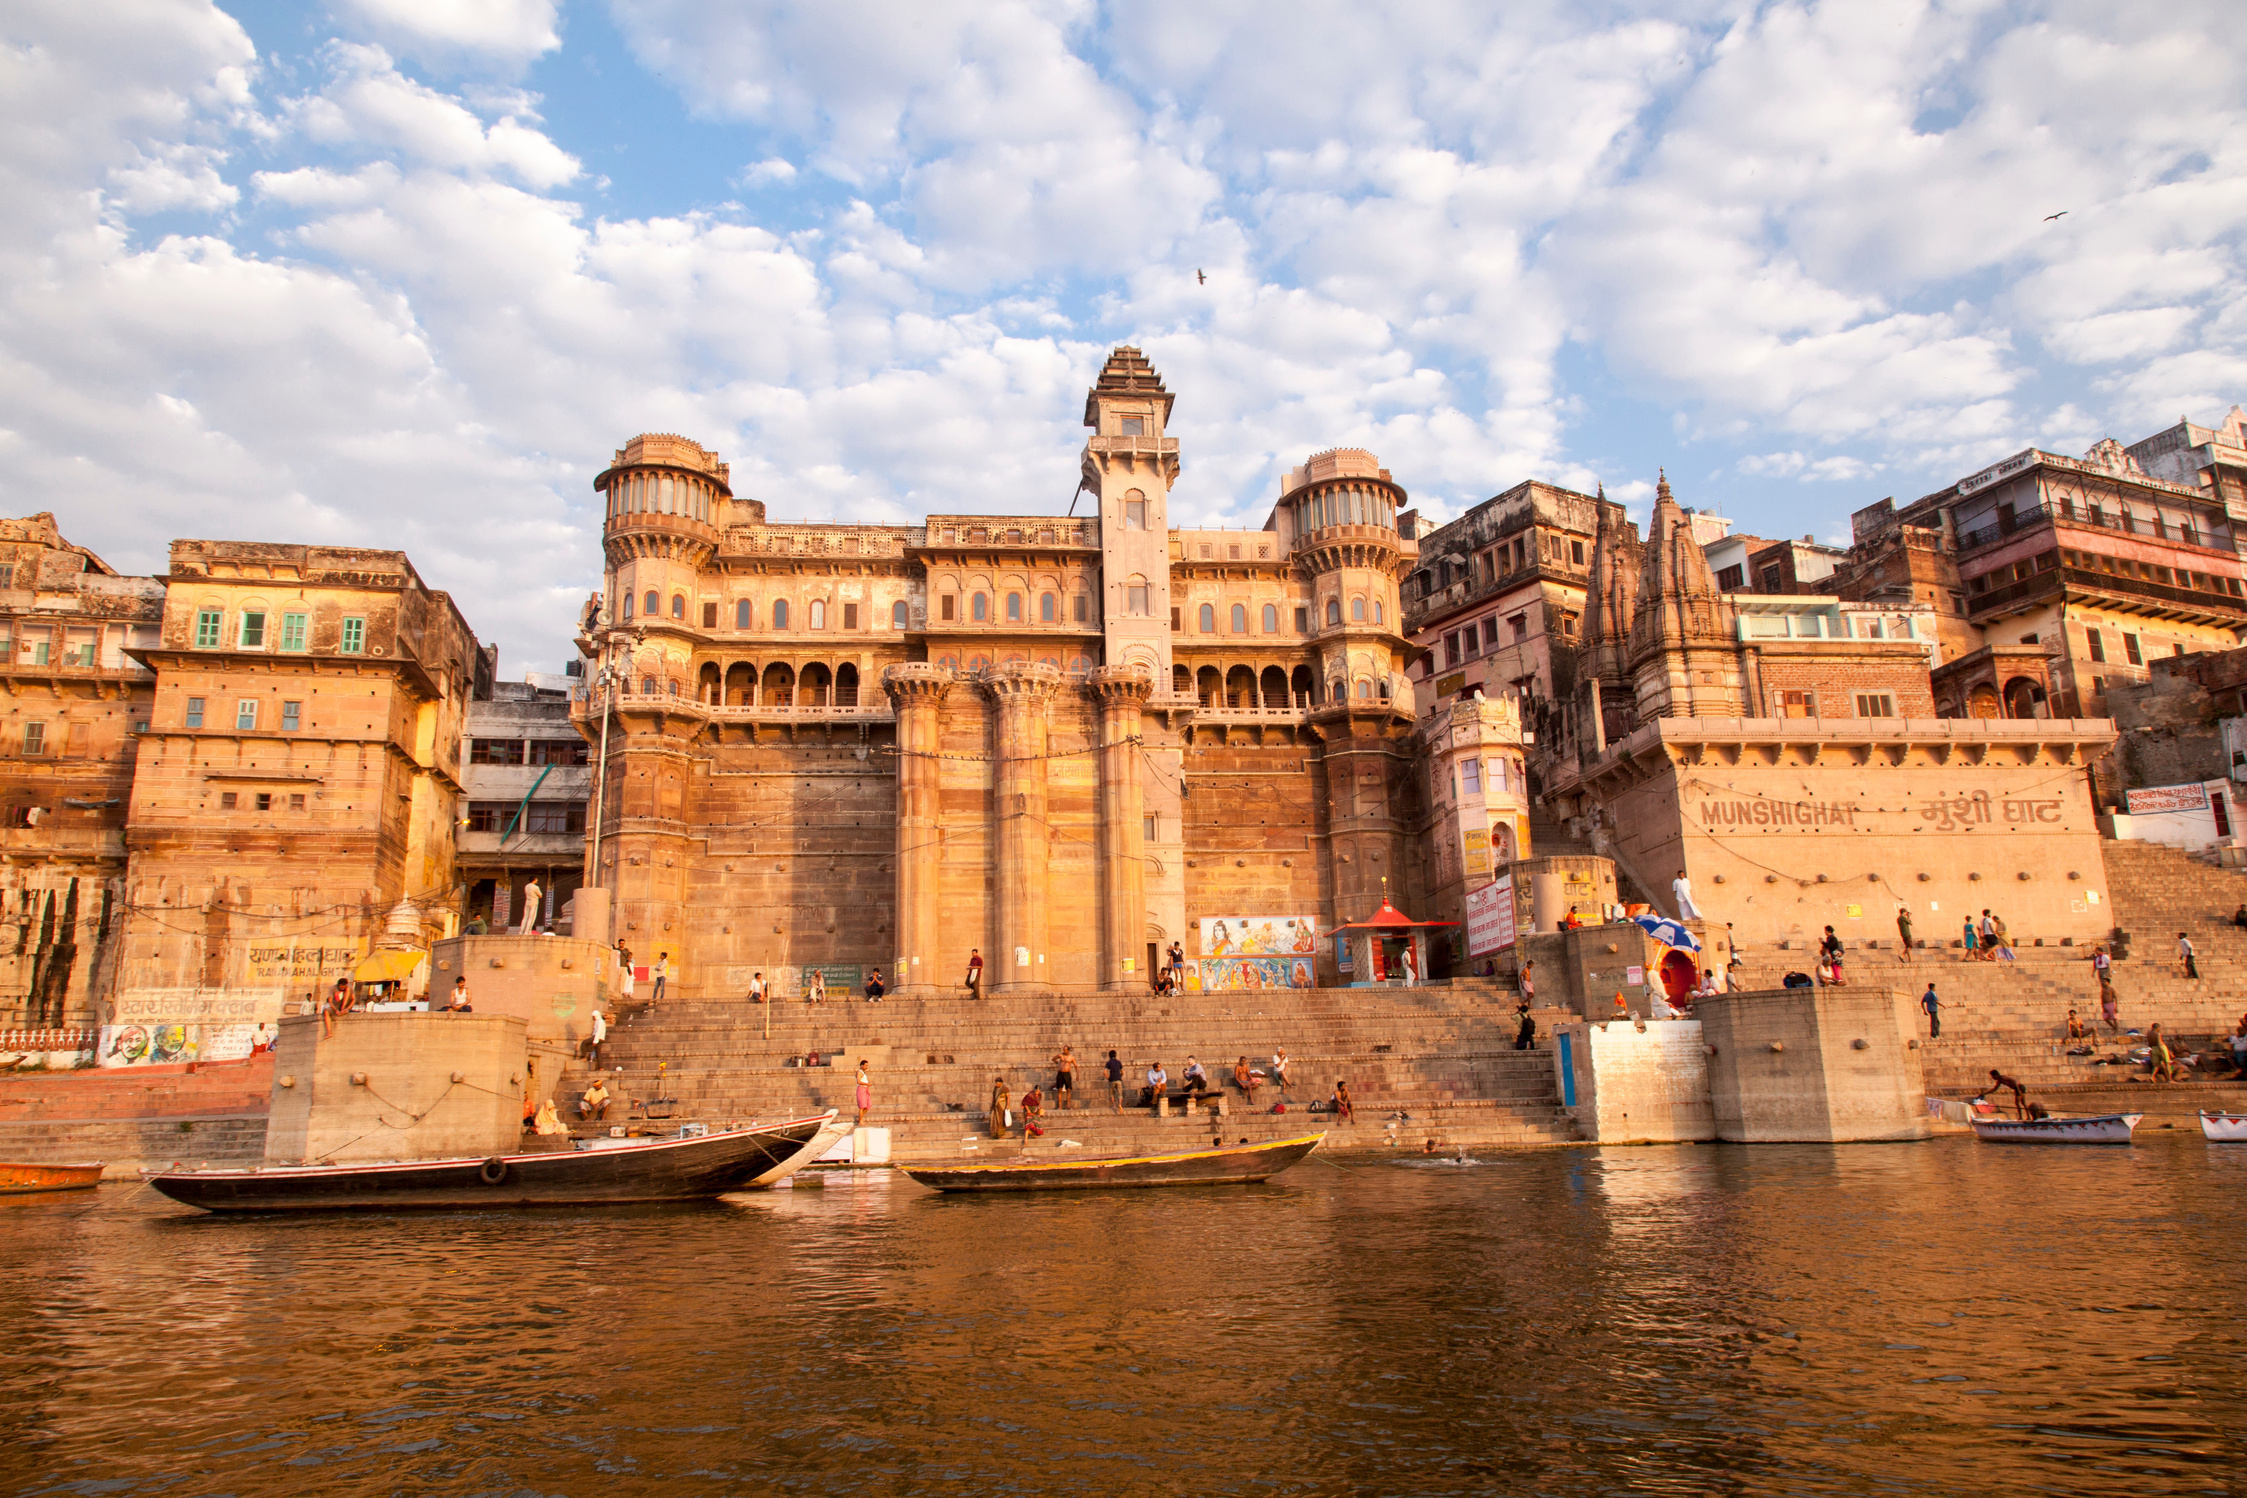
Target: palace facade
point(1055, 741)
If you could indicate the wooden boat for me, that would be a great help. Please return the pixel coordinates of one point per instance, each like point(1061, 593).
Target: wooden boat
point(2104, 1128)
point(2224, 1128)
point(1228, 1165)
point(654, 1170)
point(17, 1180)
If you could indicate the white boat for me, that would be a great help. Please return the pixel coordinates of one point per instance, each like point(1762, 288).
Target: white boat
point(2224, 1128)
point(2105, 1128)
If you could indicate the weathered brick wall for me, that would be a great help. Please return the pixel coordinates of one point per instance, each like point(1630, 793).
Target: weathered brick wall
point(1837, 675)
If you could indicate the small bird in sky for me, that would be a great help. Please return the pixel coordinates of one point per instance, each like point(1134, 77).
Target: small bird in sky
point(2063, 213)
point(1200, 279)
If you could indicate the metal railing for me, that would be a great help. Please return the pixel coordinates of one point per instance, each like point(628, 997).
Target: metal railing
point(2215, 539)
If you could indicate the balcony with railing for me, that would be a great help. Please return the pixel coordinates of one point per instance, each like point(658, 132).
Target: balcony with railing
point(2089, 585)
point(2215, 538)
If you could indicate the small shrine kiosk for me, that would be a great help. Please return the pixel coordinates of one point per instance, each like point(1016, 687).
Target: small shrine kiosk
point(1388, 946)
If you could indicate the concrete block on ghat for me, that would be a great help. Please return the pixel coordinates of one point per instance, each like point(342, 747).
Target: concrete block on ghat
point(407, 1107)
point(1826, 1065)
point(1624, 1083)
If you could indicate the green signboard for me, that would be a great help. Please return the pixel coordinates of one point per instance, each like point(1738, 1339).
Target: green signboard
point(842, 977)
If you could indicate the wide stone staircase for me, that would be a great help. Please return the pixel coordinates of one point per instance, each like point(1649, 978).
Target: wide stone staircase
point(1430, 1063)
point(2013, 1015)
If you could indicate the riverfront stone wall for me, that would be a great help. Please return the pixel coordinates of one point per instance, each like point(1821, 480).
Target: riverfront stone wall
point(1635, 1083)
point(1813, 1064)
point(397, 1087)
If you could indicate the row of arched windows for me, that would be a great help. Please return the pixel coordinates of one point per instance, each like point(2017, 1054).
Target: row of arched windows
point(1274, 686)
point(815, 615)
point(660, 494)
point(1014, 608)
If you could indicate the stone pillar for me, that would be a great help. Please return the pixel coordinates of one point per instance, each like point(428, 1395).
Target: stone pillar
point(1122, 693)
point(1022, 692)
point(916, 690)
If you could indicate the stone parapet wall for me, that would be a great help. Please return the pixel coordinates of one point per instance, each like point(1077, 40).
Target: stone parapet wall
point(1822, 1065)
point(397, 1087)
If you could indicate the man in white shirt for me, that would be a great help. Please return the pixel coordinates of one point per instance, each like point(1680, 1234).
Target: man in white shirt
point(1279, 1070)
point(532, 896)
point(1681, 890)
point(757, 989)
point(600, 1037)
point(1158, 1083)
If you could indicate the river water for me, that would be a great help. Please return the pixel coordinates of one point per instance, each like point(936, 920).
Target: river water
point(1937, 1318)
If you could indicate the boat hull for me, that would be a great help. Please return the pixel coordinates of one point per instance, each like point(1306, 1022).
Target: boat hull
point(2224, 1128)
point(19, 1180)
point(657, 1171)
point(1238, 1165)
point(2106, 1128)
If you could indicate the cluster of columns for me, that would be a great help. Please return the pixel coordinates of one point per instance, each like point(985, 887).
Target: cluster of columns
point(1021, 694)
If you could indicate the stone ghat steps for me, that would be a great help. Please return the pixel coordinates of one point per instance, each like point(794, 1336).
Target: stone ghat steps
point(125, 1146)
point(919, 1136)
point(1440, 1050)
point(2037, 996)
point(1527, 1085)
point(213, 1089)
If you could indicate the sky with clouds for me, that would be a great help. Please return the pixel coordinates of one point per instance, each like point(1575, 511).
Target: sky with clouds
point(405, 272)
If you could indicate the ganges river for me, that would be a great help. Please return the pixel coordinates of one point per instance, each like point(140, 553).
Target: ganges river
point(1948, 1317)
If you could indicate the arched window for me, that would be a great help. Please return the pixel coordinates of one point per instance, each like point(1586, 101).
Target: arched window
point(1271, 619)
point(674, 687)
point(899, 615)
point(819, 613)
point(744, 615)
point(1365, 688)
point(1048, 608)
point(1334, 611)
point(678, 605)
point(652, 604)
point(1378, 618)
point(647, 685)
point(1209, 619)
point(780, 613)
point(627, 608)
point(979, 607)
point(1014, 608)
point(1240, 618)
point(1357, 611)
point(1384, 691)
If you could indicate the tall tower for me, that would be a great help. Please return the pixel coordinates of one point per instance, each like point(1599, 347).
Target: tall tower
point(1129, 466)
point(1685, 650)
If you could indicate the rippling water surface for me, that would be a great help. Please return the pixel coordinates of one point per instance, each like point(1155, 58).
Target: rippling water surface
point(1938, 1318)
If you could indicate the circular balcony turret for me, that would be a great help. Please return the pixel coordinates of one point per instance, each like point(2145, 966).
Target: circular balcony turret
point(664, 497)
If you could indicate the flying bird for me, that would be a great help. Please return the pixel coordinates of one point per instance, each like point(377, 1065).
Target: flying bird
point(1200, 279)
point(2063, 213)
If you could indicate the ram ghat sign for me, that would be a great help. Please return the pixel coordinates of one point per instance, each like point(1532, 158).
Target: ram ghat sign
point(1934, 813)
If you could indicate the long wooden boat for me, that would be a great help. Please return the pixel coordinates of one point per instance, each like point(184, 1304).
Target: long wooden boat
point(16, 1180)
point(2224, 1128)
point(656, 1170)
point(1228, 1165)
point(2104, 1128)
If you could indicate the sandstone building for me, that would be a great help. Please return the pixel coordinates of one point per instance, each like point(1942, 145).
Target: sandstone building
point(78, 703)
point(294, 794)
point(1497, 601)
point(1061, 741)
point(2093, 562)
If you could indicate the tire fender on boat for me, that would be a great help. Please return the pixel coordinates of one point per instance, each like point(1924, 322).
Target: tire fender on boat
point(493, 1171)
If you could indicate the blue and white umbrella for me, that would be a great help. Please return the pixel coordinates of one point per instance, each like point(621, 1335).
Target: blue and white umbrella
point(1666, 931)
